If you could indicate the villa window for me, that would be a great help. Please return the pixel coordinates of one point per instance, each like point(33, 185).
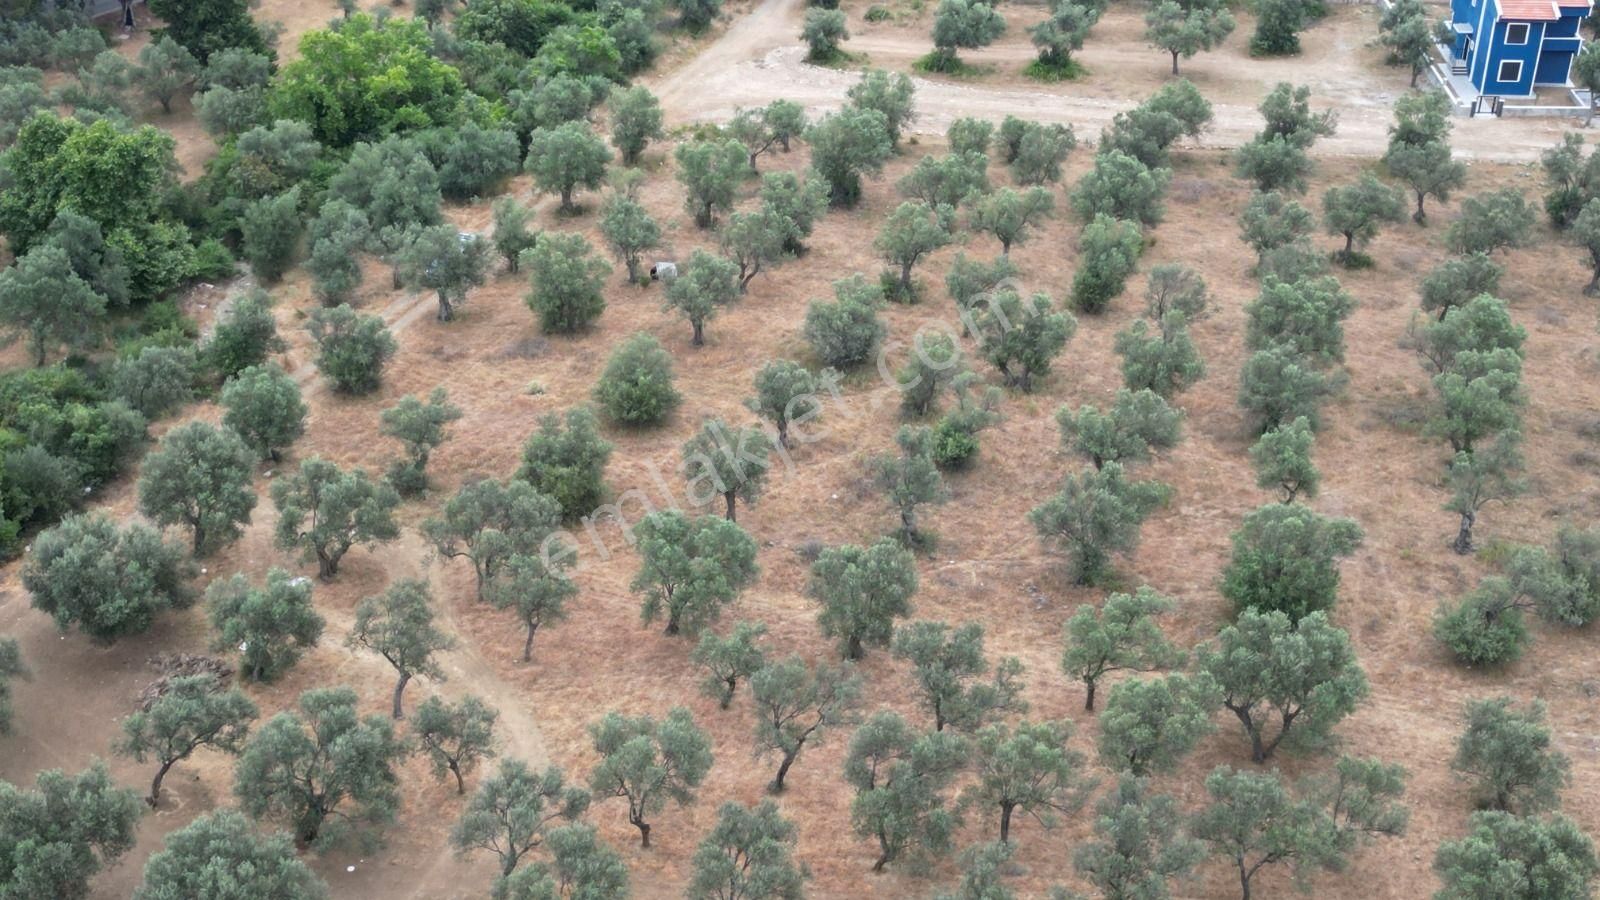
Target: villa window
point(1517, 33)
point(1510, 71)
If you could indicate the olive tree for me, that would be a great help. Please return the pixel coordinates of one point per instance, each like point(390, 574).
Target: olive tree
point(1021, 338)
point(1357, 210)
point(629, 229)
point(691, 567)
point(635, 121)
point(749, 852)
point(729, 660)
point(567, 282)
point(564, 158)
point(109, 582)
point(1286, 559)
point(846, 145)
point(1027, 768)
point(1282, 460)
point(419, 426)
point(1139, 844)
point(727, 463)
point(648, 762)
point(63, 832)
point(221, 855)
point(199, 477)
point(447, 262)
point(1121, 635)
point(1280, 677)
point(710, 172)
point(352, 349)
point(323, 511)
point(488, 522)
point(1507, 856)
point(948, 665)
point(1137, 423)
point(797, 705)
point(707, 283)
point(191, 712)
point(1507, 752)
point(454, 737)
point(398, 626)
point(786, 394)
point(961, 24)
point(270, 626)
point(1097, 513)
point(1184, 30)
point(512, 812)
point(862, 591)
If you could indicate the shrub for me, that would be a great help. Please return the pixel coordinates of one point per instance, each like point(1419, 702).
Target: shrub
point(636, 386)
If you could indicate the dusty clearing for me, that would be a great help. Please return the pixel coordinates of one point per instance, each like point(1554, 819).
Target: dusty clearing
point(989, 566)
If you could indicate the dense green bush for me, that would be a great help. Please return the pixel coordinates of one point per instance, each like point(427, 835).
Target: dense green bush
point(636, 386)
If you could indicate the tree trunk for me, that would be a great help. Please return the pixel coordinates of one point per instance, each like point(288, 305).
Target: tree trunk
point(1005, 248)
point(327, 565)
point(776, 787)
point(1349, 245)
point(461, 783)
point(1088, 694)
point(1415, 71)
point(527, 645)
point(399, 690)
point(732, 685)
point(199, 538)
point(699, 338)
point(1594, 283)
point(644, 833)
point(1420, 217)
point(445, 312)
point(905, 278)
point(1006, 809)
point(1463, 541)
point(1244, 881)
point(852, 647)
point(155, 784)
point(1174, 61)
point(566, 201)
point(730, 497)
point(632, 262)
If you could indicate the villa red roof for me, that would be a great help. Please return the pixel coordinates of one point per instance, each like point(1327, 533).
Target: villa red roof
point(1529, 10)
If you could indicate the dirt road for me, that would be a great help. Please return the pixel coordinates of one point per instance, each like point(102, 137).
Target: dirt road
point(758, 60)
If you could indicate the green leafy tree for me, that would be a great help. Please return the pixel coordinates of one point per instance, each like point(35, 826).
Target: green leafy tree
point(164, 69)
point(1010, 215)
point(710, 172)
point(636, 386)
point(910, 480)
point(1494, 220)
point(891, 93)
point(107, 581)
point(1278, 386)
point(367, 78)
point(1563, 580)
point(648, 762)
point(564, 158)
point(323, 511)
point(12, 669)
point(846, 145)
point(1586, 231)
point(1137, 423)
point(1139, 845)
point(948, 665)
point(420, 428)
point(708, 283)
point(1270, 220)
point(157, 381)
point(191, 712)
point(1305, 317)
point(690, 568)
point(1059, 36)
point(1282, 460)
point(752, 240)
point(1278, 26)
point(320, 767)
point(1458, 280)
point(628, 228)
point(635, 121)
point(1517, 858)
point(567, 282)
point(454, 737)
point(1150, 724)
point(566, 460)
point(270, 230)
point(61, 834)
point(1148, 131)
point(244, 335)
point(1411, 43)
point(1276, 164)
point(210, 27)
point(786, 394)
point(352, 349)
point(1097, 513)
point(1286, 559)
point(1428, 169)
point(730, 463)
point(512, 811)
point(1571, 179)
point(729, 660)
point(1185, 31)
point(796, 706)
point(511, 235)
point(961, 25)
point(1254, 821)
point(580, 863)
point(846, 332)
point(911, 232)
point(398, 626)
point(1108, 251)
point(43, 299)
point(933, 364)
point(1027, 769)
point(338, 234)
point(488, 522)
point(264, 409)
point(443, 260)
point(1120, 636)
point(536, 588)
point(1021, 338)
point(1276, 675)
point(1165, 362)
point(1121, 187)
point(271, 626)
point(823, 31)
point(222, 856)
point(1480, 396)
point(1357, 210)
point(1041, 149)
point(1507, 752)
point(1486, 627)
point(900, 779)
point(794, 205)
point(749, 853)
point(1477, 479)
point(862, 592)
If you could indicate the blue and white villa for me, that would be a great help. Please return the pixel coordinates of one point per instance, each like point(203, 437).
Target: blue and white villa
point(1507, 48)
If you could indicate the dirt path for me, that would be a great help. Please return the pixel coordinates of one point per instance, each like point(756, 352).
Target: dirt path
point(757, 61)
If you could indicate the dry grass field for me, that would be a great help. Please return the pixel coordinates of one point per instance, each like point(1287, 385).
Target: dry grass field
point(988, 566)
